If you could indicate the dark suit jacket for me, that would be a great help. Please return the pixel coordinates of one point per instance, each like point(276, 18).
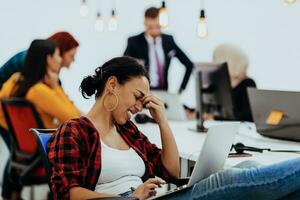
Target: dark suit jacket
point(137, 47)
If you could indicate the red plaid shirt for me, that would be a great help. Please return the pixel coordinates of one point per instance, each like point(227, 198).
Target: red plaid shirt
point(75, 155)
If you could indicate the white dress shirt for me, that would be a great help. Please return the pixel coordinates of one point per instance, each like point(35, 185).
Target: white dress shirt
point(153, 71)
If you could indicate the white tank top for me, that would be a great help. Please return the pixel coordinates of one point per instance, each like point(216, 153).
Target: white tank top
point(120, 170)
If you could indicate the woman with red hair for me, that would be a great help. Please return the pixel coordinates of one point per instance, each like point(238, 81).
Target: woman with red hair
point(67, 47)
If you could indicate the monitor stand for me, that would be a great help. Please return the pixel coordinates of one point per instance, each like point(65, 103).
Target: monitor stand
point(200, 127)
point(199, 104)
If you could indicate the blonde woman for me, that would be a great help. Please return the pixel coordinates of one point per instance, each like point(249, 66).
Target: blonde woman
point(237, 62)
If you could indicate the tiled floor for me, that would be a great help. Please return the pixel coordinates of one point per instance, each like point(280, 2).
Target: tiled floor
point(40, 192)
point(3, 157)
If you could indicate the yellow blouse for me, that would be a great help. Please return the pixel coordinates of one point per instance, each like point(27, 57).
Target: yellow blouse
point(53, 105)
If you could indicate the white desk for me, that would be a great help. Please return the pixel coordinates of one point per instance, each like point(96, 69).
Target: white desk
point(190, 143)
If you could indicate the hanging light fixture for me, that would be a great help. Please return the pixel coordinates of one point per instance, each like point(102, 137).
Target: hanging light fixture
point(99, 25)
point(163, 15)
point(290, 1)
point(84, 10)
point(113, 22)
point(202, 25)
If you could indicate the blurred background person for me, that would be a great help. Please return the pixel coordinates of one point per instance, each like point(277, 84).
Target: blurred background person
point(155, 50)
point(66, 43)
point(237, 62)
point(38, 83)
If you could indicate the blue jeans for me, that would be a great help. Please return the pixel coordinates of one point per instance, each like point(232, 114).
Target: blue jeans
point(248, 181)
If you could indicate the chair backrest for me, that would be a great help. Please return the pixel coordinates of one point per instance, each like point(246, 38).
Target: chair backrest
point(42, 136)
point(20, 116)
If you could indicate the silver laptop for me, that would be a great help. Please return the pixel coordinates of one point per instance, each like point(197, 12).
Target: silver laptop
point(174, 107)
point(212, 157)
point(264, 102)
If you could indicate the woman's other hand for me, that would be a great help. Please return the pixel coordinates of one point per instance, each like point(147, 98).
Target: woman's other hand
point(147, 189)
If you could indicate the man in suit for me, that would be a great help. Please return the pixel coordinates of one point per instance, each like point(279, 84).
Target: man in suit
point(155, 50)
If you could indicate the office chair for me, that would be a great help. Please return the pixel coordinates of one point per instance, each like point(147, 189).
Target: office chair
point(42, 137)
point(24, 166)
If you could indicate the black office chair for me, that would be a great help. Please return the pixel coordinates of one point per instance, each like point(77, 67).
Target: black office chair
point(25, 164)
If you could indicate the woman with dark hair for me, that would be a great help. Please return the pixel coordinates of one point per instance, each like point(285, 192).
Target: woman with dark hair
point(38, 83)
point(42, 59)
point(103, 154)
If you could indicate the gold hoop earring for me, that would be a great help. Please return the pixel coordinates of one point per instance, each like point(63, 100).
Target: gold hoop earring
point(115, 106)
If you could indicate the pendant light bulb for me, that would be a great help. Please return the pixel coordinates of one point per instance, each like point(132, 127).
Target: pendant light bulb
point(163, 15)
point(99, 25)
point(202, 25)
point(84, 10)
point(113, 22)
point(290, 1)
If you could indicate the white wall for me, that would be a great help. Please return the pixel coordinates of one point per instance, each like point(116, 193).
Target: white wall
point(267, 30)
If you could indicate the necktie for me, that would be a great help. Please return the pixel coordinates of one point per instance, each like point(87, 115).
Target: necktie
point(160, 69)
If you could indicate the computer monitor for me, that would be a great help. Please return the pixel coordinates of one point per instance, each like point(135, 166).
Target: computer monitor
point(213, 92)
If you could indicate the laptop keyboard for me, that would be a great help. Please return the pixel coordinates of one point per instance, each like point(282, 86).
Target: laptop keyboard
point(169, 192)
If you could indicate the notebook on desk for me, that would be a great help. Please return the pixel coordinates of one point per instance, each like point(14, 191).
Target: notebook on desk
point(276, 113)
point(212, 157)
